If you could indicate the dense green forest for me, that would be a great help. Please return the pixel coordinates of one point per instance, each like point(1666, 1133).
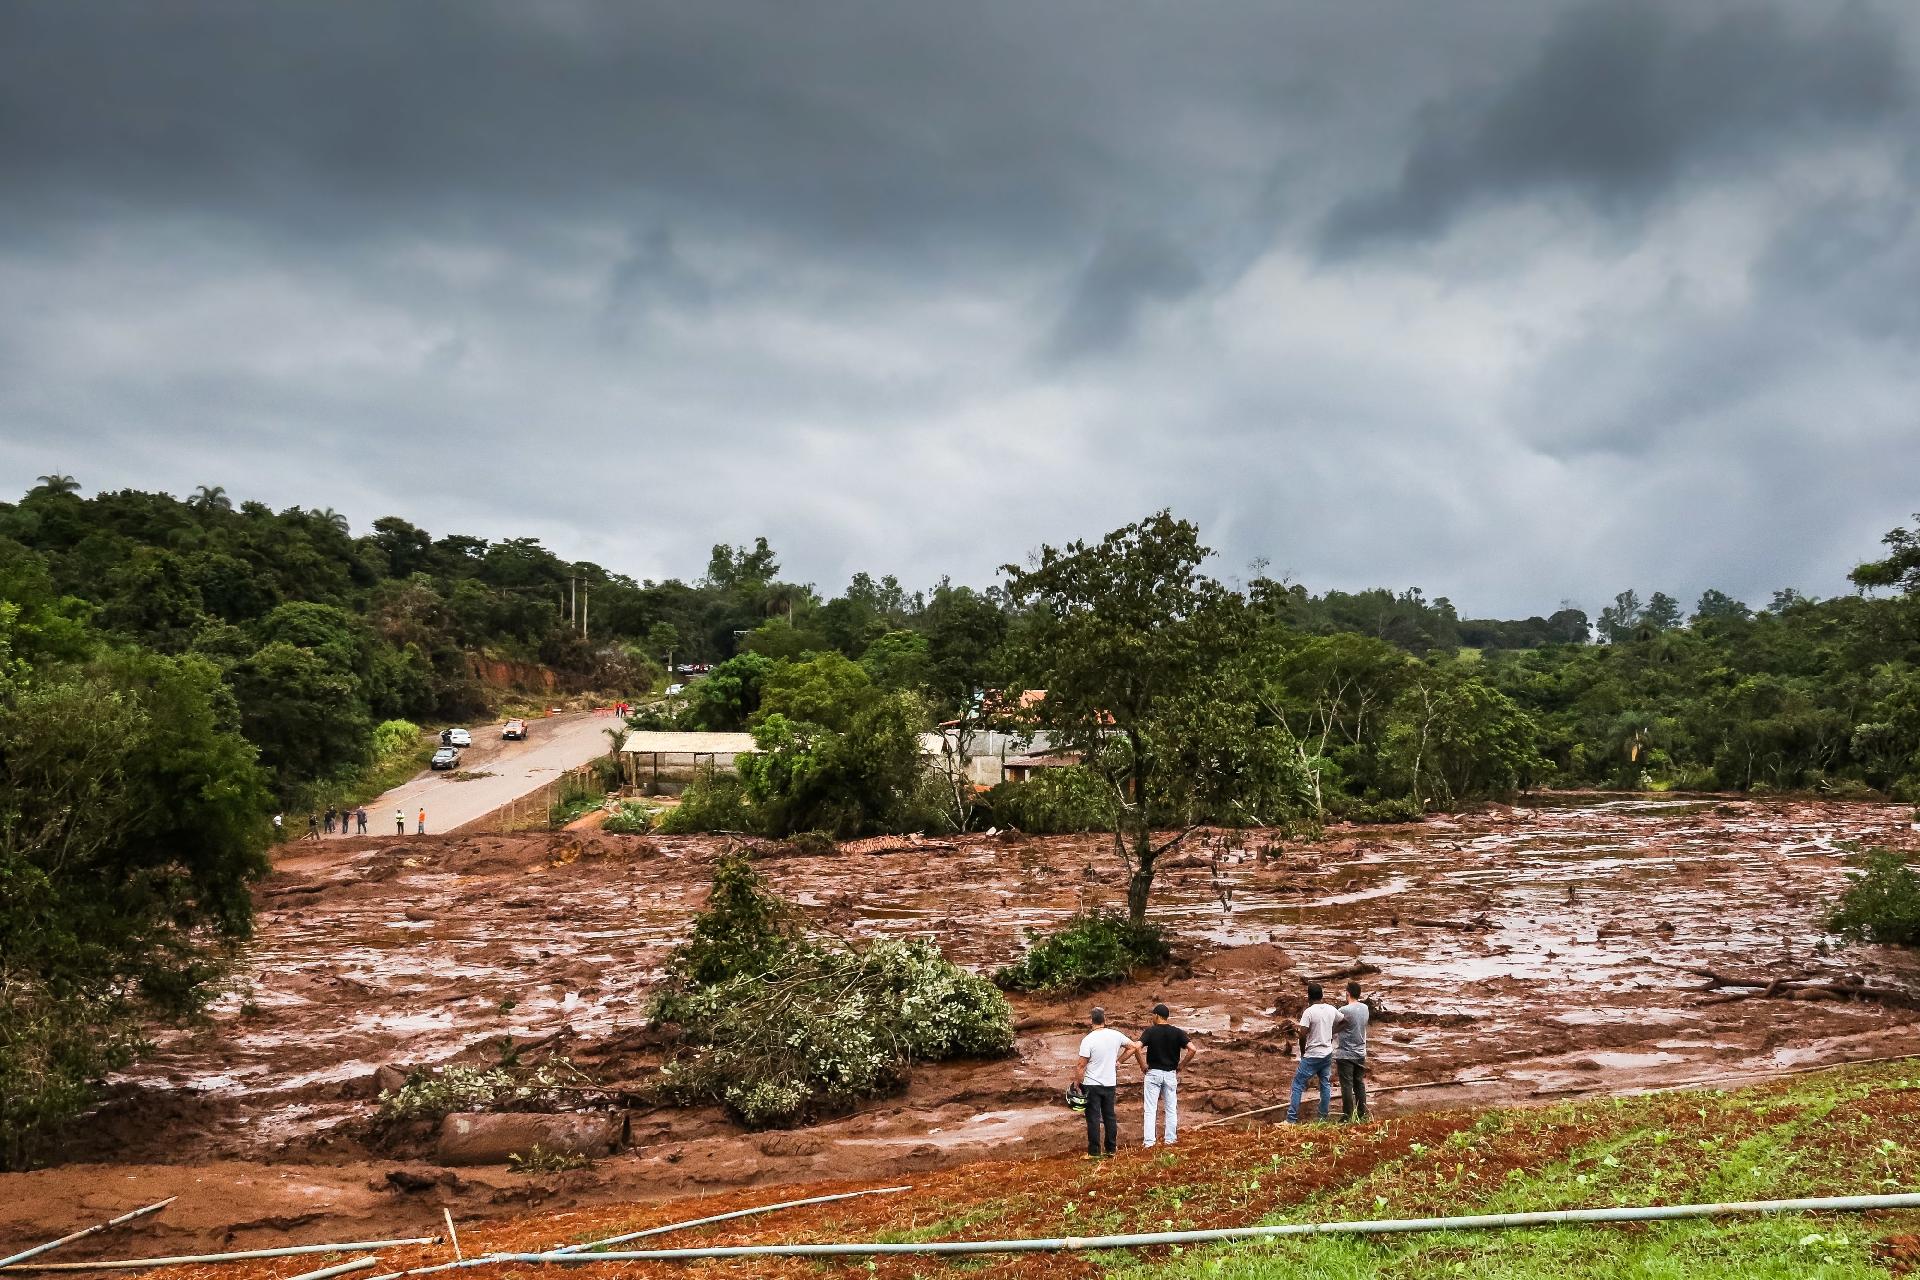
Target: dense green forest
point(172, 670)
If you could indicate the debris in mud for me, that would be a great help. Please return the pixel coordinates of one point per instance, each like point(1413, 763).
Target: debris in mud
point(494, 1137)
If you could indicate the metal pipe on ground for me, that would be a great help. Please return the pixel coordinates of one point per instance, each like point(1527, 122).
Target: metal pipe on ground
point(1475, 1222)
point(288, 1251)
point(575, 1250)
point(39, 1249)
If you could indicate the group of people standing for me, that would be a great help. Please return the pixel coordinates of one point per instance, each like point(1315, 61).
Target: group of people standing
point(349, 821)
point(1333, 1039)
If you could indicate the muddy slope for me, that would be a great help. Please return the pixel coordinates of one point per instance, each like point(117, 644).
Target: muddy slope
point(1528, 951)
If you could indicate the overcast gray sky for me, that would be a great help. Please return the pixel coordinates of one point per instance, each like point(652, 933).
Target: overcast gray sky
point(1513, 302)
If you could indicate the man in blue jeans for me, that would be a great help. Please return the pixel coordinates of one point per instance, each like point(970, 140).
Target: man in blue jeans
point(1316, 1052)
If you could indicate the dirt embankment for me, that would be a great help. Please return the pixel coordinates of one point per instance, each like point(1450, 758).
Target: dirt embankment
point(1528, 952)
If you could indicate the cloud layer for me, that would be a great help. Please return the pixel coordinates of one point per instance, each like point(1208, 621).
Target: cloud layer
point(1513, 303)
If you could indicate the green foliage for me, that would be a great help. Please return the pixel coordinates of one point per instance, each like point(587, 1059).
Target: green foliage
point(827, 690)
point(713, 801)
point(395, 738)
point(745, 929)
point(782, 1028)
point(1881, 902)
point(1090, 950)
point(441, 1091)
point(1452, 738)
point(577, 798)
point(539, 1160)
point(632, 818)
point(132, 817)
point(1054, 801)
point(829, 1026)
point(729, 695)
point(869, 778)
point(1151, 672)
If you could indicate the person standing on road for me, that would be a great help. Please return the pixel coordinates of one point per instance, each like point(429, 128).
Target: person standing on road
point(423, 821)
point(1316, 1052)
point(1098, 1072)
point(279, 827)
point(1164, 1050)
point(360, 818)
point(328, 827)
point(400, 821)
point(1350, 1055)
point(313, 825)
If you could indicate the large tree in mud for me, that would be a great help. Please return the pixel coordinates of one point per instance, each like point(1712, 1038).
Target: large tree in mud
point(1144, 660)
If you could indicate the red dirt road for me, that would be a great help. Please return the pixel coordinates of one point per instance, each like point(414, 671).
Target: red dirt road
point(1540, 949)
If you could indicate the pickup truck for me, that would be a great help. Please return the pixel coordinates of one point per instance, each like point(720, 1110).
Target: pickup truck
point(514, 729)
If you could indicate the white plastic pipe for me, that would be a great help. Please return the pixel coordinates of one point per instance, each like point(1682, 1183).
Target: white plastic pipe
point(727, 1217)
point(337, 1269)
point(573, 1249)
point(289, 1251)
point(1549, 1218)
point(39, 1249)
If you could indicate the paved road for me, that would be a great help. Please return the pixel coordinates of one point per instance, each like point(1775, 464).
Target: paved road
point(553, 745)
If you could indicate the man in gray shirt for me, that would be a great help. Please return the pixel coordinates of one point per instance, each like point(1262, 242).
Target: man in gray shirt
point(1350, 1054)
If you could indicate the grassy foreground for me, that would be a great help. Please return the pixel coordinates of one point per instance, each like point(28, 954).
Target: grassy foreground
point(1849, 1130)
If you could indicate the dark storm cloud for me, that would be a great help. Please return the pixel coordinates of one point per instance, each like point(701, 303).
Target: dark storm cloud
point(1514, 302)
point(1128, 272)
point(1624, 99)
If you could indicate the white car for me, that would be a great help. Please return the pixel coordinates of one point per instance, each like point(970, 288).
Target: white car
point(456, 738)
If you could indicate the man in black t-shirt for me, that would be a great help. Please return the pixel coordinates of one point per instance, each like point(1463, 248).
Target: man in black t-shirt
point(1164, 1049)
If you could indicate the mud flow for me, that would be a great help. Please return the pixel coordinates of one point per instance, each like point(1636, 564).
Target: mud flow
point(1519, 953)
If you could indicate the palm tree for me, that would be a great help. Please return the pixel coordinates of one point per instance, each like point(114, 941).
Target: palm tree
point(59, 484)
point(210, 498)
point(334, 518)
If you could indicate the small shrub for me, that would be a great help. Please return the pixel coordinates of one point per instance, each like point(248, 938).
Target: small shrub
point(1881, 903)
point(432, 1095)
point(1090, 951)
point(395, 738)
point(630, 819)
point(540, 1160)
point(1054, 802)
point(713, 801)
point(1399, 809)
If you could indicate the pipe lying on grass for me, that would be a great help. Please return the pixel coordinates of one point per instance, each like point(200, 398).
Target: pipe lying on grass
point(1551, 1218)
point(288, 1251)
point(727, 1217)
point(337, 1269)
point(579, 1250)
point(39, 1249)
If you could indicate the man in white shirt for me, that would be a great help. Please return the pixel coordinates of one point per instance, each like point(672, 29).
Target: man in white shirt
point(1099, 1079)
point(1316, 1052)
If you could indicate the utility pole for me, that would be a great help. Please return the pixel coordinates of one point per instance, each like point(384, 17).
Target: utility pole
point(584, 597)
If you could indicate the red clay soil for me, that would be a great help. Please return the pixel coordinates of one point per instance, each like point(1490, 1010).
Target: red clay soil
point(1532, 952)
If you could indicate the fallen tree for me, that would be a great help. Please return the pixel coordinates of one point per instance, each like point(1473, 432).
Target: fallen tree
point(782, 1026)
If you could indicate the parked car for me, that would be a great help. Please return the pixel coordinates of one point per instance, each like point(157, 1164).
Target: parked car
point(445, 758)
point(514, 729)
point(456, 738)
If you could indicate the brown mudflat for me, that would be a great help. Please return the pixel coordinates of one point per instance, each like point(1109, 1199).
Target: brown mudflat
point(1540, 951)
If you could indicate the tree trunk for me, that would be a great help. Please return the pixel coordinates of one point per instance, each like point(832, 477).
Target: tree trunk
point(1140, 883)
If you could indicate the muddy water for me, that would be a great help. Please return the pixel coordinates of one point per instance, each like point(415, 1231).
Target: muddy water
point(1540, 948)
